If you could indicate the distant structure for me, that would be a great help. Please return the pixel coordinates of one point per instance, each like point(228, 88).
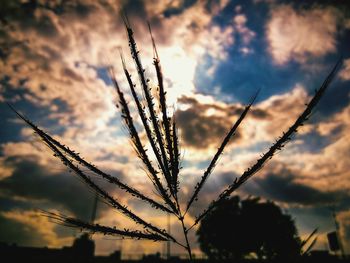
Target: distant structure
point(334, 239)
point(82, 250)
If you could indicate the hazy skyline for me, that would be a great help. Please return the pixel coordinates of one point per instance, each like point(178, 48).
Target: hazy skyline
point(215, 55)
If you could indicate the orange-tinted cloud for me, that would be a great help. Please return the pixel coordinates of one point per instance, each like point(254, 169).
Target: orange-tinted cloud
point(296, 34)
point(345, 73)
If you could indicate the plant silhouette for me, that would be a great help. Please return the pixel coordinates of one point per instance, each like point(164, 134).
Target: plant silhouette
point(238, 228)
point(164, 171)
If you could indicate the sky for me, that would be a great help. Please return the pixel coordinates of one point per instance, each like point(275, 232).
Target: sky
point(215, 55)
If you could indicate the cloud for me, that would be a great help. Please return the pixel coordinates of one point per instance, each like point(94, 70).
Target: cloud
point(13, 231)
point(297, 176)
point(296, 34)
point(32, 186)
point(5, 170)
point(281, 110)
point(45, 188)
point(345, 72)
point(327, 169)
point(56, 58)
point(204, 121)
point(246, 35)
point(281, 186)
point(187, 38)
point(202, 126)
point(28, 228)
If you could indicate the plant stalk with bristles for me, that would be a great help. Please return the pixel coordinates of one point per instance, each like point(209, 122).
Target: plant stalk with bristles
point(161, 133)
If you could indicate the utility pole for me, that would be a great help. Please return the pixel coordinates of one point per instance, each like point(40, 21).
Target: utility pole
point(168, 242)
point(337, 229)
point(94, 208)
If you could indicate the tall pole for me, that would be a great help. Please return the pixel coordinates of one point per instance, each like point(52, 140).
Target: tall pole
point(337, 228)
point(168, 242)
point(94, 208)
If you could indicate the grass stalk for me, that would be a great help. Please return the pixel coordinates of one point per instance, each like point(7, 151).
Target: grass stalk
point(149, 101)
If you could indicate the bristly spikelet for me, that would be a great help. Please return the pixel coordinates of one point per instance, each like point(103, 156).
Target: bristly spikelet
point(105, 230)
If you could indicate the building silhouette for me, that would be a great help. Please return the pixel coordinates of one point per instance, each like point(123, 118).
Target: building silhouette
point(82, 250)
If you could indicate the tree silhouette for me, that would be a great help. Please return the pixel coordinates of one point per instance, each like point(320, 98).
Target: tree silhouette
point(164, 171)
point(235, 229)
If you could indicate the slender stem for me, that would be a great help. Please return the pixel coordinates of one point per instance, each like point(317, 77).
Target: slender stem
point(188, 247)
point(181, 217)
point(178, 243)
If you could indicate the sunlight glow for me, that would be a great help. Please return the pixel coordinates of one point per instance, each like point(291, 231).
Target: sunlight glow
point(178, 69)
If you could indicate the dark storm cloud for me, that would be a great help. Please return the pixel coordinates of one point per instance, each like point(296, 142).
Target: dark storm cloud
point(38, 18)
point(260, 114)
point(134, 8)
point(201, 130)
point(254, 112)
point(24, 14)
point(16, 232)
point(283, 188)
point(229, 110)
point(8, 204)
point(197, 129)
point(14, 10)
point(45, 190)
point(25, 10)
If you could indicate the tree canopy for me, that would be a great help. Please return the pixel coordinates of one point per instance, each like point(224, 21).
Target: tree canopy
point(239, 228)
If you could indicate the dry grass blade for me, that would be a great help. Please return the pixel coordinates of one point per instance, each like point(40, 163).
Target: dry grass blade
point(103, 194)
point(176, 167)
point(138, 144)
point(149, 100)
point(215, 159)
point(105, 230)
point(109, 178)
point(278, 145)
point(110, 200)
point(143, 117)
point(306, 240)
point(141, 151)
point(310, 247)
point(166, 121)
